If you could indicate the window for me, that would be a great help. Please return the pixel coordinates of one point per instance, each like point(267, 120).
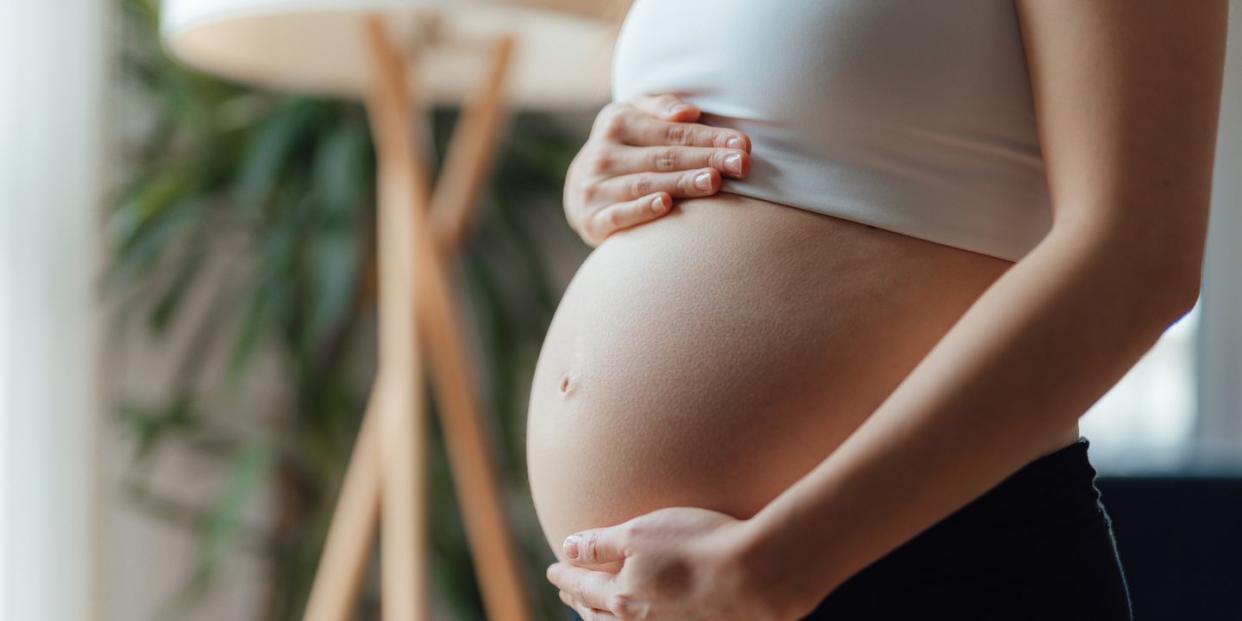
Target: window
point(1147, 421)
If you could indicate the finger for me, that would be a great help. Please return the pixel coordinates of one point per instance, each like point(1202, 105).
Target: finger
point(586, 613)
point(668, 107)
point(629, 125)
point(591, 614)
point(626, 160)
point(624, 607)
point(687, 184)
point(613, 218)
point(594, 589)
point(597, 545)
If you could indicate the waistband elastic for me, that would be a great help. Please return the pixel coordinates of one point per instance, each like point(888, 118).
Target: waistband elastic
point(1056, 488)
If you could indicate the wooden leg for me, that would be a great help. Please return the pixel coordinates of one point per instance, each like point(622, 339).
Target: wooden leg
point(402, 205)
point(468, 449)
point(436, 322)
point(470, 154)
point(348, 545)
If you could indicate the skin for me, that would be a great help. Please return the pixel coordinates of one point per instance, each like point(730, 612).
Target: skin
point(1127, 98)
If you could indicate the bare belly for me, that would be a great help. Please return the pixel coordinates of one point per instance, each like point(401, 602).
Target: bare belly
point(714, 356)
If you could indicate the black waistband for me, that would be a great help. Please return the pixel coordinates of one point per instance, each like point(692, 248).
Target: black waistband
point(1036, 546)
point(1055, 489)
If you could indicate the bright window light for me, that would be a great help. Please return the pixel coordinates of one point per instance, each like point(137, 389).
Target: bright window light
point(1147, 421)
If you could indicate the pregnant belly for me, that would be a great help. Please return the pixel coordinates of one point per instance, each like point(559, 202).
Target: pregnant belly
point(714, 356)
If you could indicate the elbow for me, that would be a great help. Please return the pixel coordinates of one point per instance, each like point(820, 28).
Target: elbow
point(1177, 267)
point(1162, 267)
point(1171, 294)
point(1184, 297)
point(1156, 271)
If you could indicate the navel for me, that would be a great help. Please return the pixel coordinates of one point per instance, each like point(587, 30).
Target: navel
point(567, 385)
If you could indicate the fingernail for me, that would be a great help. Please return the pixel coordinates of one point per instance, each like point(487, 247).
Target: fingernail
point(703, 181)
point(678, 109)
point(571, 546)
point(734, 164)
point(734, 143)
point(657, 204)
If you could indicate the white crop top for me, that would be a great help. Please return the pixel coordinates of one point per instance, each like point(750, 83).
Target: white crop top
point(908, 115)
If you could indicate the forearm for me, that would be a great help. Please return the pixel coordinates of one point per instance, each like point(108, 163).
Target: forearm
point(1044, 342)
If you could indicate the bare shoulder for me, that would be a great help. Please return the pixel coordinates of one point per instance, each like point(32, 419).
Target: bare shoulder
point(1127, 95)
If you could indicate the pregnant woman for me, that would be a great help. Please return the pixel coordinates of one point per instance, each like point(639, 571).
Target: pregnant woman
point(859, 267)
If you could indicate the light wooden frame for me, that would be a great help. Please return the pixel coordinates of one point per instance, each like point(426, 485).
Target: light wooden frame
point(418, 232)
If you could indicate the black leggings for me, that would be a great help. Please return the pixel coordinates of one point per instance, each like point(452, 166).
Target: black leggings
point(1039, 545)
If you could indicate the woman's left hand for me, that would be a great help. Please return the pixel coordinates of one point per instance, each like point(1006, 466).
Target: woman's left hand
point(682, 564)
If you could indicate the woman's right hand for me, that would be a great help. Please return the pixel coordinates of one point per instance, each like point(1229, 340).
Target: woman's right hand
point(640, 156)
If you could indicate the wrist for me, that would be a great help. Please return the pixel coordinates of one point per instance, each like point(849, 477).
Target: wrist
point(789, 588)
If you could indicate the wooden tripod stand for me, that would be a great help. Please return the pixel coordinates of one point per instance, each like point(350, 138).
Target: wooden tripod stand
point(417, 313)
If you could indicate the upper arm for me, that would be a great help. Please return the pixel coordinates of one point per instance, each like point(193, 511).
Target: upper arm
point(1127, 96)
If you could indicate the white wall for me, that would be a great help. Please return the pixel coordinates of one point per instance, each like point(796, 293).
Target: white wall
point(1220, 348)
point(51, 84)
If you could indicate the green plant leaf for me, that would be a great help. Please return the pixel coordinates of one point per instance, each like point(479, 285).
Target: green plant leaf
point(276, 195)
point(276, 140)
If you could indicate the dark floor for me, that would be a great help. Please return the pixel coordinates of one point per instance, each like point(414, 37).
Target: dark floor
point(1180, 540)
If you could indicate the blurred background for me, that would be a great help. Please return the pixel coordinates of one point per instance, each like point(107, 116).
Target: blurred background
point(187, 340)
